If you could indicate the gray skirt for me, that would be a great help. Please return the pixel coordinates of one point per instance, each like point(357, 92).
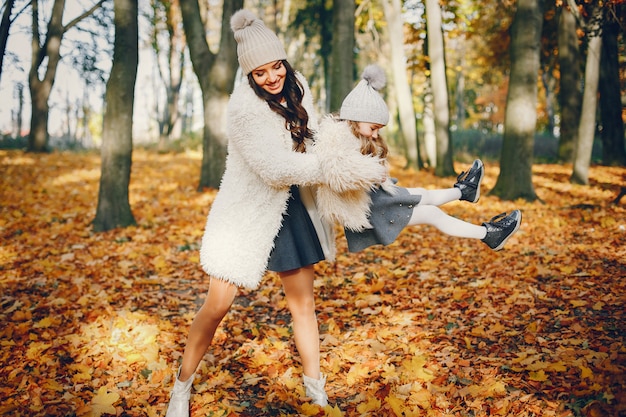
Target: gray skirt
point(296, 244)
point(389, 215)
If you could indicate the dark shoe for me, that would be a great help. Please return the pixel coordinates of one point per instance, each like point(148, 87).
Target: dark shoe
point(469, 182)
point(501, 228)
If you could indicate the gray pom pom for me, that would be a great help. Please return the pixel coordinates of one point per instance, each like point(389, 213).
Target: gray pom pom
point(241, 19)
point(375, 77)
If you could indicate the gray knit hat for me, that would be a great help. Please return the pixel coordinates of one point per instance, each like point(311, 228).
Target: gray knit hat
point(364, 103)
point(256, 44)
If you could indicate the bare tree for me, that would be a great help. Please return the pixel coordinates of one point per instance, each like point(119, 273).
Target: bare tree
point(570, 95)
point(516, 159)
point(342, 53)
point(612, 135)
point(5, 25)
point(169, 51)
point(401, 89)
point(441, 102)
point(587, 124)
point(46, 55)
point(117, 141)
point(19, 112)
point(216, 75)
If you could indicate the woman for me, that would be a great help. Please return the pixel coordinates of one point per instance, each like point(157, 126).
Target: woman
point(378, 215)
point(264, 216)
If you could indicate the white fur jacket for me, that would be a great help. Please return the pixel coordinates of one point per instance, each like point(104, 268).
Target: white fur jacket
point(338, 201)
point(261, 166)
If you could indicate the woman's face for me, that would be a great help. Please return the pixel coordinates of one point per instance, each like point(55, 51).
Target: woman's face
point(369, 130)
point(270, 77)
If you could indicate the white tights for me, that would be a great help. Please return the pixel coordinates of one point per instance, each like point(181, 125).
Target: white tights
point(428, 212)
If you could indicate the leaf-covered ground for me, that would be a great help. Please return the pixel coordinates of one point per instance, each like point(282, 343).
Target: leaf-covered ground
point(93, 324)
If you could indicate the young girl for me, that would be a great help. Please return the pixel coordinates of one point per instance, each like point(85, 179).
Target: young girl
point(378, 215)
point(264, 216)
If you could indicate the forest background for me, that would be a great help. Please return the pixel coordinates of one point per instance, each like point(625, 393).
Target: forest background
point(99, 273)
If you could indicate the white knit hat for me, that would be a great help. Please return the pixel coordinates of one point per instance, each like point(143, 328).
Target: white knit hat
point(256, 44)
point(364, 103)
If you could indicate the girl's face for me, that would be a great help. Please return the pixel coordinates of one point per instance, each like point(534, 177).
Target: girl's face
point(369, 130)
point(270, 77)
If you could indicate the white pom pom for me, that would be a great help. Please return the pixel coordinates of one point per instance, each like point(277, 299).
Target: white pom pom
point(241, 19)
point(375, 77)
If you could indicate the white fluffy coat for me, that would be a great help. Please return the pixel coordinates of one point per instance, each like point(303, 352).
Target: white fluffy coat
point(261, 166)
point(346, 203)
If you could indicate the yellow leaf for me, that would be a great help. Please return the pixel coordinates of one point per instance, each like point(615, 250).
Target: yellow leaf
point(356, 372)
point(332, 411)
point(309, 409)
point(608, 222)
point(372, 404)
point(585, 372)
point(422, 398)
point(134, 358)
point(44, 323)
point(36, 349)
point(415, 369)
point(396, 404)
point(103, 402)
point(468, 343)
point(538, 376)
point(557, 367)
point(53, 385)
point(598, 306)
point(497, 387)
point(160, 263)
point(568, 269)
point(458, 294)
point(578, 303)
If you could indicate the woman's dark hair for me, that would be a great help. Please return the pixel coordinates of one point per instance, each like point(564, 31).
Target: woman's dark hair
point(295, 115)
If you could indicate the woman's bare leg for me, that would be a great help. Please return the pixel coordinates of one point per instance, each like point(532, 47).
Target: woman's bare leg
point(298, 288)
point(219, 298)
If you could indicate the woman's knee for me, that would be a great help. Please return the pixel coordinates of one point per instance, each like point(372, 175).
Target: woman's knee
point(214, 311)
point(301, 306)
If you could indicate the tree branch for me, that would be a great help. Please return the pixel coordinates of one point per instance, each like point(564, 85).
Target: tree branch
point(77, 19)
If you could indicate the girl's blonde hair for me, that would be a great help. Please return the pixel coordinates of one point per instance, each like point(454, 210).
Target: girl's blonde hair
point(369, 146)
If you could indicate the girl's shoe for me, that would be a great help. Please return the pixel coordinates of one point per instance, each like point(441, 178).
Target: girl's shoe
point(500, 228)
point(469, 182)
point(179, 397)
point(315, 390)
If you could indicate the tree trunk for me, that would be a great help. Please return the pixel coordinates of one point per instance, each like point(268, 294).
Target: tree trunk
point(587, 125)
point(612, 135)
point(40, 88)
point(5, 25)
point(460, 92)
point(19, 114)
point(570, 96)
point(520, 118)
point(429, 128)
point(438, 81)
point(167, 14)
point(38, 136)
point(117, 141)
point(216, 75)
point(401, 86)
point(342, 54)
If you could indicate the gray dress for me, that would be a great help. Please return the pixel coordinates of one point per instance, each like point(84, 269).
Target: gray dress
point(296, 245)
point(389, 215)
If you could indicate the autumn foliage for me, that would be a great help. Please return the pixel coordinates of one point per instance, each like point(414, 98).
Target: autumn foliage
point(93, 324)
